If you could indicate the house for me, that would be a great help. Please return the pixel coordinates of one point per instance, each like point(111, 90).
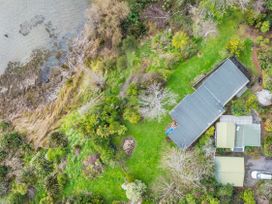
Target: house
point(230, 170)
point(199, 110)
point(236, 133)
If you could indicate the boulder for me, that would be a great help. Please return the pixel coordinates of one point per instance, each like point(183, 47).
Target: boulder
point(264, 97)
point(129, 145)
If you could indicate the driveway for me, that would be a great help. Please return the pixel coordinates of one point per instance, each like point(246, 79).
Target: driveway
point(252, 164)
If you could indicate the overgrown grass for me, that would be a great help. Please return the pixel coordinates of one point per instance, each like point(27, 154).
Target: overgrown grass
point(149, 135)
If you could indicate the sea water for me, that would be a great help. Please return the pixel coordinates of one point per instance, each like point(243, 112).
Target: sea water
point(26, 25)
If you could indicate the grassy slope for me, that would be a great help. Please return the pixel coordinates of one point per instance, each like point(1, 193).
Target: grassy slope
point(149, 135)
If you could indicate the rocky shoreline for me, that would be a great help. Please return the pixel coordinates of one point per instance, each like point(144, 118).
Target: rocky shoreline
point(23, 89)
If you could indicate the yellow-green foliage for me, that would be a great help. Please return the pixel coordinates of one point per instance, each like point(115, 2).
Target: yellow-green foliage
point(268, 125)
point(180, 40)
point(235, 46)
point(132, 116)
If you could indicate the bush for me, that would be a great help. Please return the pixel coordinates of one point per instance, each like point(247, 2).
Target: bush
point(4, 187)
point(82, 198)
point(42, 166)
point(235, 46)
point(16, 198)
point(180, 40)
point(58, 139)
point(55, 154)
point(265, 26)
point(3, 155)
point(11, 141)
point(135, 190)
point(225, 193)
point(132, 115)
point(51, 186)
point(129, 44)
point(248, 196)
point(268, 146)
point(265, 57)
point(3, 172)
point(268, 125)
point(121, 62)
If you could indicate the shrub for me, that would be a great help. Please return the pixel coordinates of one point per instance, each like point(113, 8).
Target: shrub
point(129, 44)
point(42, 166)
point(62, 180)
point(58, 139)
point(27, 176)
point(248, 196)
point(11, 141)
point(20, 188)
point(51, 186)
point(85, 198)
point(265, 26)
point(132, 115)
point(235, 46)
point(225, 193)
point(3, 155)
point(16, 198)
point(268, 125)
point(133, 90)
point(4, 126)
point(135, 190)
point(121, 62)
point(268, 146)
point(4, 187)
point(55, 154)
point(3, 172)
point(265, 57)
point(180, 40)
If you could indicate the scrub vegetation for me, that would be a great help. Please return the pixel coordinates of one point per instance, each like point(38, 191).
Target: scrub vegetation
point(133, 62)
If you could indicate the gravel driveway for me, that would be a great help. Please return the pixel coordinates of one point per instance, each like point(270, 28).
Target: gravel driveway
point(252, 164)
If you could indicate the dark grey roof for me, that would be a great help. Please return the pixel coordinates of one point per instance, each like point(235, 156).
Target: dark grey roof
point(196, 112)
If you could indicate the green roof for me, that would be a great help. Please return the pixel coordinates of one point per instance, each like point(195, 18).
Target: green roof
point(248, 135)
point(225, 135)
point(230, 170)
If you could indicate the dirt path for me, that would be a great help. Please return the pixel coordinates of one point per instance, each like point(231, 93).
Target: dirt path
point(256, 61)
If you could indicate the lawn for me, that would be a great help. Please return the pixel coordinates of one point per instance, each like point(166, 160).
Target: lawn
point(149, 135)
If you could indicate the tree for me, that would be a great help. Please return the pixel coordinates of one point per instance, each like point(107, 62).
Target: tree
point(265, 26)
point(132, 115)
point(135, 190)
point(180, 40)
point(235, 46)
point(155, 100)
point(185, 172)
point(248, 196)
point(264, 190)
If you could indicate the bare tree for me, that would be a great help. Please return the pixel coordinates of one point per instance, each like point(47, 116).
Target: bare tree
point(202, 26)
point(185, 170)
point(155, 100)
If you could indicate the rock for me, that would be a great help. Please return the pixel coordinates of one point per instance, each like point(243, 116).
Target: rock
point(264, 97)
point(128, 146)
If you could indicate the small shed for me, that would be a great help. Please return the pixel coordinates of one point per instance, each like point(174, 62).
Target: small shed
point(225, 135)
point(230, 170)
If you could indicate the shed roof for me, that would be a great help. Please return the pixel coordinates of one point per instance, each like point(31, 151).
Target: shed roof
point(225, 135)
point(248, 135)
point(196, 112)
point(230, 170)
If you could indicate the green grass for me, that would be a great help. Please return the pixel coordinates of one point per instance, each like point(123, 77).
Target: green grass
point(149, 135)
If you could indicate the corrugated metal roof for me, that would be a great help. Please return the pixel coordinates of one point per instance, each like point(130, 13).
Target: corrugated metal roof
point(225, 135)
point(248, 135)
point(230, 170)
point(196, 112)
point(239, 120)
